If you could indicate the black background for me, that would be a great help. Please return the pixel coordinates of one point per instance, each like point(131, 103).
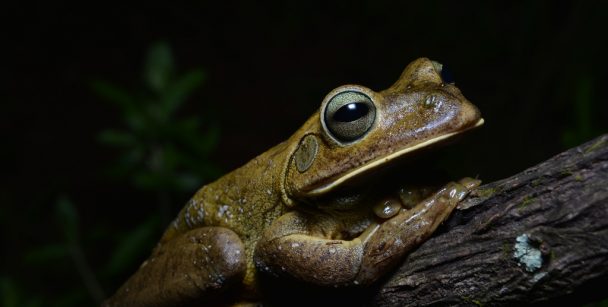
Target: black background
point(268, 66)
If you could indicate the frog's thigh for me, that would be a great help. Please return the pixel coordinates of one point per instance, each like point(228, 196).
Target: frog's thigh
point(189, 267)
point(400, 234)
point(287, 248)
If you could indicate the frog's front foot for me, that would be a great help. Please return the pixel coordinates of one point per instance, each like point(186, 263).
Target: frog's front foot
point(393, 238)
point(287, 246)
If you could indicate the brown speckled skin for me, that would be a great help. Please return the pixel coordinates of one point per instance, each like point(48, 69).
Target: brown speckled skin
point(263, 216)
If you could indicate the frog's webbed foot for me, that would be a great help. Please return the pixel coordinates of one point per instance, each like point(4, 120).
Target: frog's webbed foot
point(190, 267)
point(399, 234)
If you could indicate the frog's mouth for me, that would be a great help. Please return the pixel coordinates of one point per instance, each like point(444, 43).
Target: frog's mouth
point(374, 164)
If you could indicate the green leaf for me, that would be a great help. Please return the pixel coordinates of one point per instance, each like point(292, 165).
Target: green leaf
point(187, 181)
point(33, 302)
point(113, 94)
point(9, 292)
point(130, 110)
point(67, 217)
point(134, 156)
point(173, 157)
point(187, 132)
point(12, 295)
point(179, 90)
point(117, 138)
point(210, 140)
point(158, 67)
point(74, 297)
point(46, 254)
point(148, 180)
point(132, 247)
point(600, 303)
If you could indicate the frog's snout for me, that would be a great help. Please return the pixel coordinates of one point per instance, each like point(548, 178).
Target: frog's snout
point(471, 116)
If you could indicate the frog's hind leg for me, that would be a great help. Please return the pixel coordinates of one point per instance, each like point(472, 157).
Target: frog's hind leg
point(192, 267)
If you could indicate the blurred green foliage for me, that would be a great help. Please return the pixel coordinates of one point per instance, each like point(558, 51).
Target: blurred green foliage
point(14, 295)
point(601, 303)
point(159, 153)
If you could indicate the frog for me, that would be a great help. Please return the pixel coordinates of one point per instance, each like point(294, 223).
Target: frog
point(302, 209)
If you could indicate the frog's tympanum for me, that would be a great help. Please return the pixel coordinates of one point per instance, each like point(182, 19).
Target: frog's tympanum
point(301, 209)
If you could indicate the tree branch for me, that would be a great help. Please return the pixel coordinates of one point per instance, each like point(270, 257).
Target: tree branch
point(531, 238)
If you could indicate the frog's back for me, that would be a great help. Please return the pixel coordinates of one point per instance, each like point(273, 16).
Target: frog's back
point(246, 201)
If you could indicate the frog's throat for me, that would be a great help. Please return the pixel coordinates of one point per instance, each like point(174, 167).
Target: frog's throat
point(381, 161)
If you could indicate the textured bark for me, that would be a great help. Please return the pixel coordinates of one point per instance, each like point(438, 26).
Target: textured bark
point(538, 236)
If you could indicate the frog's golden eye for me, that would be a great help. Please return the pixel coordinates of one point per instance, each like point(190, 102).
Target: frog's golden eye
point(349, 115)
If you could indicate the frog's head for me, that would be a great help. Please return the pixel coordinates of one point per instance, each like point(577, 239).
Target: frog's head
point(357, 130)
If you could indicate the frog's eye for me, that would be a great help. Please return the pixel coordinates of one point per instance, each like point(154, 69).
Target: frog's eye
point(349, 115)
point(444, 72)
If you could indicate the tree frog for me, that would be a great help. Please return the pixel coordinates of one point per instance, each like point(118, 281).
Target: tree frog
point(304, 208)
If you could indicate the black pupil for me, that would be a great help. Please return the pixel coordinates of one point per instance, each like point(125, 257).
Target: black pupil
point(351, 112)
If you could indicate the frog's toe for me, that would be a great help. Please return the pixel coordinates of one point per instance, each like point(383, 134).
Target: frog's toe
point(453, 192)
point(469, 183)
point(459, 190)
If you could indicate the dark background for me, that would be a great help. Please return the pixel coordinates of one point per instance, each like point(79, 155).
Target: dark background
point(78, 217)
